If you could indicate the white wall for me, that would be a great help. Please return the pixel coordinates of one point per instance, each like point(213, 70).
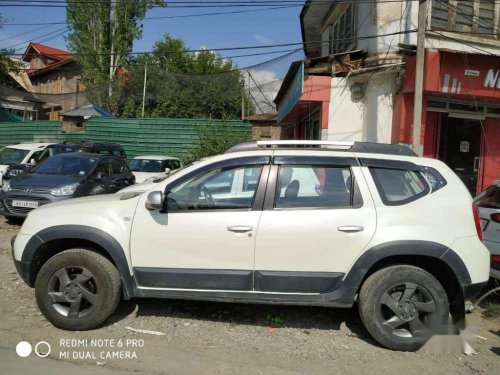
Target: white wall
point(369, 119)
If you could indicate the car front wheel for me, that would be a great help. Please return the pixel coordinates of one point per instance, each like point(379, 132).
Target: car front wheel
point(402, 306)
point(77, 289)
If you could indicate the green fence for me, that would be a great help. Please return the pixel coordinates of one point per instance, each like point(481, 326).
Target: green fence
point(138, 136)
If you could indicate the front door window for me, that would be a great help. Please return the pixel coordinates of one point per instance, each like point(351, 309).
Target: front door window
point(227, 188)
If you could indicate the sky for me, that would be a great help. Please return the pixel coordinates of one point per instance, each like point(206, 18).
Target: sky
point(245, 29)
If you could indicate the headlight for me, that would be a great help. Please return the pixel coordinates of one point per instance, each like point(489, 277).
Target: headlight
point(64, 190)
point(6, 185)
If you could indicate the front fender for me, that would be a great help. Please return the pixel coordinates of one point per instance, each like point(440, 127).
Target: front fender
point(97, 236)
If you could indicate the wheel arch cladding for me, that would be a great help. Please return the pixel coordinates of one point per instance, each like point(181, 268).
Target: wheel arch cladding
point(419, 253)
point(77, 236)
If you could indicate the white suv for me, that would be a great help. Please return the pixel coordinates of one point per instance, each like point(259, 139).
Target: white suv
point(307, 223)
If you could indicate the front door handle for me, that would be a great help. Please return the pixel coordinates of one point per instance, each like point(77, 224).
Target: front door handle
point(239, 228)
point(350, 228)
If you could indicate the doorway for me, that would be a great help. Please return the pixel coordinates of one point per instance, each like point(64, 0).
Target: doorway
point(460, 148)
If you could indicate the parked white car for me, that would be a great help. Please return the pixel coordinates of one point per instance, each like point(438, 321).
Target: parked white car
point(147, 168)
point(330, 224)
point(23, 153)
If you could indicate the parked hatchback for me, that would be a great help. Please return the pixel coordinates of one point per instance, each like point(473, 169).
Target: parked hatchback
point(488, 202)
point(62, 177)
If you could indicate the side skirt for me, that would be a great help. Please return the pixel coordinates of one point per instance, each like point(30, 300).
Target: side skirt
point(244, 297)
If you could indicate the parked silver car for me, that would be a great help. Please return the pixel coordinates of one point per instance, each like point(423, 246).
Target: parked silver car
point(488, 202)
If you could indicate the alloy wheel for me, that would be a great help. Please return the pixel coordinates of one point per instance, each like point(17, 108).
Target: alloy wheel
point(73, 292)
point(407, 310)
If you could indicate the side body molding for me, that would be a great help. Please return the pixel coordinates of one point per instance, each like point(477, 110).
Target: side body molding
point(82, 232)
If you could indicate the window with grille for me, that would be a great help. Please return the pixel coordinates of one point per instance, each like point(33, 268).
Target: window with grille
point(479, 17)
point(342, 32)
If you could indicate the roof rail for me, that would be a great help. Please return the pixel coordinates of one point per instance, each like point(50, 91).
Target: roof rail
point(358, 147)
point(301, 143)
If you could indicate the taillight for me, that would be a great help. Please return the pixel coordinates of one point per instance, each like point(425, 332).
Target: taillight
point(477, 221)
point(495, 217)
point(495, 258)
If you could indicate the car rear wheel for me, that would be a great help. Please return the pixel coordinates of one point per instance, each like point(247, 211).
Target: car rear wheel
point(402, 306)
point(77, 289)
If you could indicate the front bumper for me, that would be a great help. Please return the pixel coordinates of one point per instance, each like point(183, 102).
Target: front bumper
point(23, 269)
point(7, 210)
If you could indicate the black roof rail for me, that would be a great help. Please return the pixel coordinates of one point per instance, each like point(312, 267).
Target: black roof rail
point(361, 147)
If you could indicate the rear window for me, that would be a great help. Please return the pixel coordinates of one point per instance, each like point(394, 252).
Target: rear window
point(397, 187)
point(489, 198)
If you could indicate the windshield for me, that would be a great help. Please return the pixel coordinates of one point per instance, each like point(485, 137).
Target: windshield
point(67, 165)
point(58, 149)
point(10, 155)
point(147, 165)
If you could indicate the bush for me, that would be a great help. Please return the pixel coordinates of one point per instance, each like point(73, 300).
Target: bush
point(214, 139)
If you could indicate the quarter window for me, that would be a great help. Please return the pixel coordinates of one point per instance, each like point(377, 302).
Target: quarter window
point(227, 188)
point(397, 187)
point(301, 186)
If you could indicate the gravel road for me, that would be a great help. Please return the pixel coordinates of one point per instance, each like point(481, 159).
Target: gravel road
point(221, 338)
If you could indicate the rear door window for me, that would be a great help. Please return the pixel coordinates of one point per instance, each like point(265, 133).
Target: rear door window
point(119, 166)
point(398, 186)
point(303, 186)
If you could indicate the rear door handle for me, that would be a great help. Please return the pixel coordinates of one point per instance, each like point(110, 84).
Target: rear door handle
point(239, 228)
point(350, 228)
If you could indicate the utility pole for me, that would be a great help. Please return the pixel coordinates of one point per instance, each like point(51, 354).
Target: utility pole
point(243, 100)
point(144, 88)
point(419, 77)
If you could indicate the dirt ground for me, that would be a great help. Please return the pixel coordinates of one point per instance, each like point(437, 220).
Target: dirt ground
point(202, 337)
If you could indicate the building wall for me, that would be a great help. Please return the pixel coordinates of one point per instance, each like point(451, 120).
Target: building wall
point(266, 131)
point(368, 119)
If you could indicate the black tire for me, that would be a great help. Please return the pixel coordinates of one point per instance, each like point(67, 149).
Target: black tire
point(80, 283)
point(401, 306)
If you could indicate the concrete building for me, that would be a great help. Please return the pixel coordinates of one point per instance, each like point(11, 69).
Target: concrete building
point(357, 80)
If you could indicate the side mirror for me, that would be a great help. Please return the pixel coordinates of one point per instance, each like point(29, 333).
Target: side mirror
point(167, 170)
point(33, 161)
point(99, 176)
point(154, 201)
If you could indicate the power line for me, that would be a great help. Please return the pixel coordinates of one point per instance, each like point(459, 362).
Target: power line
point(166, 17)
point(40, 36)
point(205, 4)
point(247, 47)
point(24, 33)
point(288, 52)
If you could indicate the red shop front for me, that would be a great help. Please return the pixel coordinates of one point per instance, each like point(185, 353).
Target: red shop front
point(461, 114)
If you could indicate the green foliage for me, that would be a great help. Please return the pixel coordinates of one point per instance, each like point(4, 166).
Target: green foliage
point(101, 37)
point(181, 84)
point(491, 310)
point(6, 63)
point(214, 139)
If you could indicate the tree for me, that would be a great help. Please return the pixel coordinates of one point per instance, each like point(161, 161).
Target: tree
point(183, 84)
point(101, 36)
point(7, 65)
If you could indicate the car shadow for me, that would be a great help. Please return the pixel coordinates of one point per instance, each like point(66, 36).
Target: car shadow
point(278, 316)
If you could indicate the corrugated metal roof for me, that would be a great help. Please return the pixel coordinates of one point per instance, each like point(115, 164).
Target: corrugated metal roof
point(87, 111)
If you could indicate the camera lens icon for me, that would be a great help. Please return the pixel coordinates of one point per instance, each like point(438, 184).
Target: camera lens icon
point(42, 349)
